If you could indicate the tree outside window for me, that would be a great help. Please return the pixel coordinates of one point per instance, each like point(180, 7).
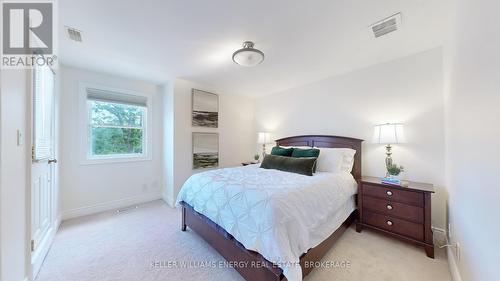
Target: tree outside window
point(116, 129)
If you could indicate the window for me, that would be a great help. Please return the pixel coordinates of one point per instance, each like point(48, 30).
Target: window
point(117, 125)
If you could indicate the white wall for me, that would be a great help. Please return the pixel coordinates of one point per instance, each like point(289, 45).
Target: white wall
point(408, 90)
point(14, 170)
point(236, 131)
point(96, 187)
point(472, 106)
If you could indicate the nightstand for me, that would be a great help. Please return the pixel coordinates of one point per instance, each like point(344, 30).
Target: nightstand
point(248, 163)
point(400, 212)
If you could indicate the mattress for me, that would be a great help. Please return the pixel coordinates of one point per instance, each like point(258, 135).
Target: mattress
point(277, 214)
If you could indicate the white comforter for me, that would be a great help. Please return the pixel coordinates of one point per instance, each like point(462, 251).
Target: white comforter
point(278, 214)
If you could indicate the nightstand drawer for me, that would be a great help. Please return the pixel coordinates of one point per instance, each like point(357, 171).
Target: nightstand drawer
point(394, 194)
point(402, 227)
point(395, 209)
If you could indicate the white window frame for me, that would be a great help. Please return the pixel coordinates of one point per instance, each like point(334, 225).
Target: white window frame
point(85, 152)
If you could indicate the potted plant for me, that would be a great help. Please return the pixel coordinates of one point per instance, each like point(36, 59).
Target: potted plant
point(394, 170)
point(256, 157)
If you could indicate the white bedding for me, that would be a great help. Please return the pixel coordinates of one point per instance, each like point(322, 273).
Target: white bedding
point(278, 214)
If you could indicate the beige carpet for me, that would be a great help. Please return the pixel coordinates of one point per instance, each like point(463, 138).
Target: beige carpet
point(124, 246)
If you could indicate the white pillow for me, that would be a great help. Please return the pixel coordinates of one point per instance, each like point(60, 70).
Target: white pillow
point(301, 147)
point(335, 159)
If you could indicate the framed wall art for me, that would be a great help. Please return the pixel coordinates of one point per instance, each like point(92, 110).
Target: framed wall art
point(205, 109)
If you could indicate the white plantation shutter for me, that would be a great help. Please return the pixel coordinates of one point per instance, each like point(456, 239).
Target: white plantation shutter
point(115, 97)
point(43, 109)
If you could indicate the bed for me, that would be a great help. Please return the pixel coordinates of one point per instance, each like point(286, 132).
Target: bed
point(269, 224)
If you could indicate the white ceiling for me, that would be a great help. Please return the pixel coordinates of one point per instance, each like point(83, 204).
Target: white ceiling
point(303, 41)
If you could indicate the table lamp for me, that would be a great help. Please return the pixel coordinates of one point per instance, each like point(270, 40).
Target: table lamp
point(263, 138)
point(388, 134)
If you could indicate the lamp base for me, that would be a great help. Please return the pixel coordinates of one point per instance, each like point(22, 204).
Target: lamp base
point(388, 159)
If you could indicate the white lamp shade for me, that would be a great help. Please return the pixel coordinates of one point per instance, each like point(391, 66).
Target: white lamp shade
point(390, 133)
point(263, 138)
point(249, 58)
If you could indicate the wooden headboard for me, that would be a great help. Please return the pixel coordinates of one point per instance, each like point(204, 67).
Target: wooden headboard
point(328, 141)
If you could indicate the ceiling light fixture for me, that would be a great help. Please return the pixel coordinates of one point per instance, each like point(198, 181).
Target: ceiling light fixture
point(248, 56)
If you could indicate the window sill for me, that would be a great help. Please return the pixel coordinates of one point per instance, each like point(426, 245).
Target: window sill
point(115, 160)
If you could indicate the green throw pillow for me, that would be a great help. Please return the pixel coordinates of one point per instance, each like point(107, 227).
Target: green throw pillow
point(306, 152)
point(303, 166)
point(281, 151)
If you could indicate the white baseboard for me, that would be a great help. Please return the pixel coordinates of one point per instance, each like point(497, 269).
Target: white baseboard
point(169, 200)
point(452, 262)
point(455, 274)
point(58, 221)
point(110, 205)
point(440, 239)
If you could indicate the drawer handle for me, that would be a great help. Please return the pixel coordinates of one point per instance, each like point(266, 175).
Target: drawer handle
point(389, 207)
point(389, 192)
point(389, 223)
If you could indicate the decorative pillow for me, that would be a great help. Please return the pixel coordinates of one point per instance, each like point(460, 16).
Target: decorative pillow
point(336, 160)
point(348, 162)
point(281, 151)
point(310, 152)
point(303, 166)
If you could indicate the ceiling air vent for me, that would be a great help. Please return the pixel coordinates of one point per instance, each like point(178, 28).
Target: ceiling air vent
point(74, 34)
point(386, 25)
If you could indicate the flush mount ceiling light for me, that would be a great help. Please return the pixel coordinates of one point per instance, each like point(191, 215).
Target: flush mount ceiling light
point(248, 56)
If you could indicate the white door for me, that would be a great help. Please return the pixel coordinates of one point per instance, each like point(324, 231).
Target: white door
point(43, 183)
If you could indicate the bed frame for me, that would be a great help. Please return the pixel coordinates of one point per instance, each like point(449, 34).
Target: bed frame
point(250, 264)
